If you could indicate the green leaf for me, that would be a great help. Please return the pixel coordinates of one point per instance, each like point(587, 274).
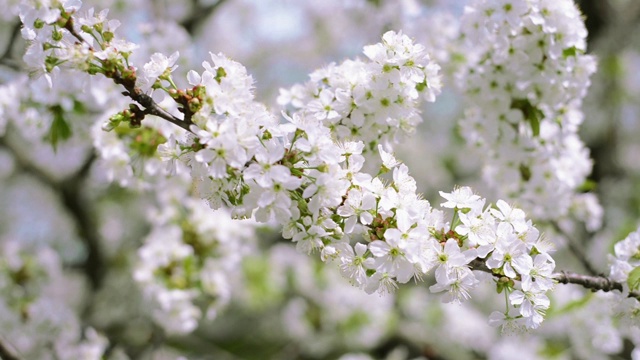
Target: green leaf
point(525, 172)
point(570, 306)
point(634, 279)
point(534, 120)
point(531, 113)
point(60, 129)
point(572, 51)
point(587, 186)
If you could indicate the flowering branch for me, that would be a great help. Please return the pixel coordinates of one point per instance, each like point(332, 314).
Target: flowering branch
point(128, 81)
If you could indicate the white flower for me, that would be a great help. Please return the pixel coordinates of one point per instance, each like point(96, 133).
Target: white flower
point(381, 282)
point(456, 284)
point(448, 258)
point(177, 314)
point(506, 251)
point(513, 216)
point(354, 265)
point(265, 169)
point(390, 258)
point(461, 198)
point(388, 160)
point(535, 272)
point(156, 68)
point(627, 257)
point(509, 323)
point(170, 151)
point(322, 108)
point(533, 305)
point(479, 231)
point(357, 206)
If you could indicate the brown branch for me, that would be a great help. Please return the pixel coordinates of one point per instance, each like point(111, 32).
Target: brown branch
point(152, 108)
point(595, 283)
point(198, 15)
point(6, 353)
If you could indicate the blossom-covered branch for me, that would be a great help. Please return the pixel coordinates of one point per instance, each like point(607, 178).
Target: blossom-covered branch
point(90, 44)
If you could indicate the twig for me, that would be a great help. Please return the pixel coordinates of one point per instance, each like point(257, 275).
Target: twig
point(595, 283)
point(576, 250)
point(6, 58)
point(152, 108)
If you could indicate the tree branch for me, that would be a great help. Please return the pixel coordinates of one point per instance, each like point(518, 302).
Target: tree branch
point(6, 58)
point(69, 191)
point(592, 282)
point(6, 353)
point(577, 252)
point(198, 15)
point(152, 108)
point(595, 283)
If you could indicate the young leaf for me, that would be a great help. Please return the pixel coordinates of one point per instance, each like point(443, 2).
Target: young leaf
point(60, 129)
point(634, 279)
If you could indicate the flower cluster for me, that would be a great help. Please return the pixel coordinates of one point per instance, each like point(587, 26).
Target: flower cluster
point(627, 257)
point(625, 268)
point(510, 246)
point(373, 101)
point(526, 77)
point(307, 176)
point(128, 156)
point(298, 175)
point(190, 258)
point(58, 39)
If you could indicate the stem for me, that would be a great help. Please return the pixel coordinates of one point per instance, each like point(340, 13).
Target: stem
point(455, 220)
point(506, 301)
